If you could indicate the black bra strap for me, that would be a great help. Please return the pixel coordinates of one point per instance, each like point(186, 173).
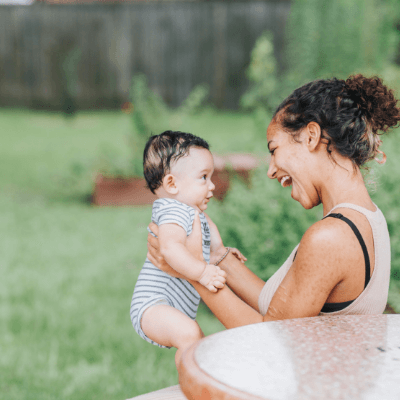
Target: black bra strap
point(362, 243)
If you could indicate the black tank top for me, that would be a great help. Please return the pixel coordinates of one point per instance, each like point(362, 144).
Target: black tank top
point(332, 307)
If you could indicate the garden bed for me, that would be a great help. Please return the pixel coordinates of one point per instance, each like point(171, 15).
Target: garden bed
point(120, 191)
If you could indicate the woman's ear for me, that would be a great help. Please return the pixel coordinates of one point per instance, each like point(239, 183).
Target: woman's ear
point(169, 184)
point(313, 135)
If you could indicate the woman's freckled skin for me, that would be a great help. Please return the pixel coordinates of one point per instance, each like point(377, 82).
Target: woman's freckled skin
point(290, 157)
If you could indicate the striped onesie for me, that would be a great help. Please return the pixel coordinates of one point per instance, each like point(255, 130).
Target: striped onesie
point(157, 287)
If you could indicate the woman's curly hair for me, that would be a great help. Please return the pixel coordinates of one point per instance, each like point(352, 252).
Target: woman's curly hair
point(352, 114)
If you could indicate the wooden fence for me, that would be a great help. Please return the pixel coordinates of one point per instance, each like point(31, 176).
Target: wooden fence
point(55, 55)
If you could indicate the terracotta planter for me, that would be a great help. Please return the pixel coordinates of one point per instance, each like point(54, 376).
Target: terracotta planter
point(109, 191)
point(116, 191)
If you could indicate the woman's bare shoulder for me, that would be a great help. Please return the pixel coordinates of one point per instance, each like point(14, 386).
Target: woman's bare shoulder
point(321, 263)
point(324, 231)
point(330, 244)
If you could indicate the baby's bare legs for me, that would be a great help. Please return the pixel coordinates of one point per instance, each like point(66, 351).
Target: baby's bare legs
point(170, 327)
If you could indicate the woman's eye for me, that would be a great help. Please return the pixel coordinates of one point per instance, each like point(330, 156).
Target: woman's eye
point(272, 152)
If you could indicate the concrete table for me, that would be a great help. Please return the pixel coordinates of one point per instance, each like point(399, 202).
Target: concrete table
point(338, 357)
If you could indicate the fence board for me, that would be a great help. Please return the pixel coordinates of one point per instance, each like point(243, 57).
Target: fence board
point(86, 55)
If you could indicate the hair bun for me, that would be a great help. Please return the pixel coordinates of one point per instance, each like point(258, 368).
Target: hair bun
point(375, 101)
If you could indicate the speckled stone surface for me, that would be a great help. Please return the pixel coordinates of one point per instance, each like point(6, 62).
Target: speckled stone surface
point(333, 357)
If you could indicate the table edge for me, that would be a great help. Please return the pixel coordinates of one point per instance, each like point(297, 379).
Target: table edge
point(196, 384)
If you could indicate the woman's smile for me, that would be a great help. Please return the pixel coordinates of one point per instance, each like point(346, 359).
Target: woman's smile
point(286, 181)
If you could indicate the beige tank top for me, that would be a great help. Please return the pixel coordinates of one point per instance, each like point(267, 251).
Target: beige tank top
point(374, 297)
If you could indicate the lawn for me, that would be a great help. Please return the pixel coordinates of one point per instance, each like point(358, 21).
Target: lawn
point(68, 268)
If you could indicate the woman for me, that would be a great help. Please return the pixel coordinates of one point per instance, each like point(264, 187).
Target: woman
point(319, 138)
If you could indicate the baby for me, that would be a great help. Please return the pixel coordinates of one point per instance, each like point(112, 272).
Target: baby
point(178, 168)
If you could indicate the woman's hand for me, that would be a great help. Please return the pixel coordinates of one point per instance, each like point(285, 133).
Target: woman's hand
point(238, 254)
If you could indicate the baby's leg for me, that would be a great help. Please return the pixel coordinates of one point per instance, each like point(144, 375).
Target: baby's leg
point(170, 327)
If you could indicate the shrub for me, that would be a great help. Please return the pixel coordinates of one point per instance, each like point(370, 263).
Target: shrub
point(386, 195)
point(262, 74)
point(150, 116)
point(338, 38)
point(325, 38)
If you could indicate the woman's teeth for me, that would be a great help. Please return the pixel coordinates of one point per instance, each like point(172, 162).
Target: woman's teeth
point(286, 181)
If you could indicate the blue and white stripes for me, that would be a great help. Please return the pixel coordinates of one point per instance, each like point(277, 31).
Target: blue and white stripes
point(155, 286)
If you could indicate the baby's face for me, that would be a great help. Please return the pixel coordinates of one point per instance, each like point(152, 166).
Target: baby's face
point(193, 178)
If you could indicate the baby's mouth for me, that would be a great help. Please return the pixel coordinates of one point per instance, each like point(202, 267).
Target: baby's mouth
point(286, 181)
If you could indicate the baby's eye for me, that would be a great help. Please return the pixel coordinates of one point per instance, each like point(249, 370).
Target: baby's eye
point(204, 177)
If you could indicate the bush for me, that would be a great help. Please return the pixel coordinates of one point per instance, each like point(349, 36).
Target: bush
point(150, 116)
point(262, 74)
point(338, 38)
point(325, 38)
point(263, 222)
point(386, 195)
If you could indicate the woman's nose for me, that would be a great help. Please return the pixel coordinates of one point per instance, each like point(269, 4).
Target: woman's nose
point(272, 169)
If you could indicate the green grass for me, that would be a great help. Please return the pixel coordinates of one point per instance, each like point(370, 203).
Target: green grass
point(68, 269)
point(52, 157)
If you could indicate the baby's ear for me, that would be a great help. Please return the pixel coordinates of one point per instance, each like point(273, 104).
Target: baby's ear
point(169, 184)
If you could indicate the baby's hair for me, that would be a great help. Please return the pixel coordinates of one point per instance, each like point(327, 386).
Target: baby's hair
point(163, 149)
point(352, 114)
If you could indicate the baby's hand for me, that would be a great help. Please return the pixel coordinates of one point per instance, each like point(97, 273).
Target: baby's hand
point(238, 255)
point(213, 278)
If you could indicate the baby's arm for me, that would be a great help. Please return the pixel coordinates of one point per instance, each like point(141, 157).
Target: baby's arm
point(172, 239)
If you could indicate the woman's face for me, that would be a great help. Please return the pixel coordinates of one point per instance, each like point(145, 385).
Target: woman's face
point(292, 164)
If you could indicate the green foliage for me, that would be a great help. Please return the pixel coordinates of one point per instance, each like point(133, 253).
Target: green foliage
point(150, 116)
point(386, 195)
point(262, 74)
point(324, 39)
point(394, 295)
point(263, 222)
point(337, 38)
point(195, 100)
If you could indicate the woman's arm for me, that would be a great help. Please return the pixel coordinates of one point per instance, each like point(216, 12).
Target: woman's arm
point(244, 283)
point(228, 307)
point(318, 268)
